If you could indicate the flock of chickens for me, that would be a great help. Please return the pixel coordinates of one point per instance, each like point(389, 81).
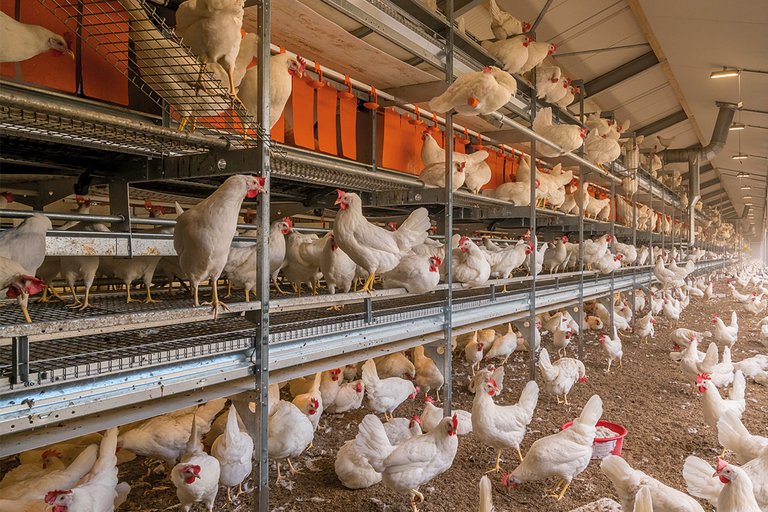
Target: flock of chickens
point(207, 448)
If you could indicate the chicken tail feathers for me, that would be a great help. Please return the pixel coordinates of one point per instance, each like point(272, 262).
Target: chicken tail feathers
point(697, 474)
point(177, 206)
point(710, 359)
point(442, 103)
point(737, 388)
point(545, 365)
point(194, 443)
point(529, 398)
point(494, 10)
point(731, 432)
point(372, 442)
point(107, 460)
point(486, 496)
point(591, 412)
point(370, 375)
point(643, 501)
point(413, 230)
point(83, 463)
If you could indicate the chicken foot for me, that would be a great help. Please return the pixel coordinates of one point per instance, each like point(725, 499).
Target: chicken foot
point(277, 287)
point(75, 301)
point(497, 468)
point(562, 492)
point(416, 494)
point(368, 286)
point(149, 299)
point(215, 302)
point(293, 470)
point(54, 293)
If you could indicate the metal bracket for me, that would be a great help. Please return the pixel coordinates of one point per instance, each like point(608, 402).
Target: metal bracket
point(20, 360)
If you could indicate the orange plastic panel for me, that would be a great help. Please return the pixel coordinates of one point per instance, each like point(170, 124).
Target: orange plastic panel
point(278, 131)
point(105, 79)
point(496, 163)
point(348, 124)
point(49, 69)
point(8, 7)
point(392, 139)
point(326, 119)
point(303, 101)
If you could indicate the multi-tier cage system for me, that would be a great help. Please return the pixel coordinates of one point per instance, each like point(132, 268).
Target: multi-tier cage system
point(71, 371)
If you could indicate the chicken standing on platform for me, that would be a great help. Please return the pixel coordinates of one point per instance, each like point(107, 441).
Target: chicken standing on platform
point(477, 93)
point(282, 69)
point(204, 233)
point(375, 249)
point(22, 41)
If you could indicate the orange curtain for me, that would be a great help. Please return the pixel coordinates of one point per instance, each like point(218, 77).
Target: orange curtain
point(348, 126)
point(105, 79)
point(326, 119)
point(303, 102)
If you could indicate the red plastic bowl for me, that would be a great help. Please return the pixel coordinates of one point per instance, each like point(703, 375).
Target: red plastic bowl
point(606, 445)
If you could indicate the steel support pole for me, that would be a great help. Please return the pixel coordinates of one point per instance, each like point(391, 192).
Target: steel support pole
point(532, 292)
point(261, 348)
point(583, 172)
point(612, 229)
point(448, 220)
point(634, 235)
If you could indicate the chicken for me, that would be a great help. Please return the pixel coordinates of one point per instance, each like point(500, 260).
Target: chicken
point(547, 79)
point(432, 415)
point(166, 436)
point(571, 92)
point(395, 365)
point(666, 277)
point(18, 284)
point(385, 395)
point(242, 262)
point(516, 192)
point(644, 327)
point(507, 260)
point(290, 432)
point(730, 488)
point(349, 397)
point(556, 255)
point(196, 476)
point(601, 149)
point(416, 273)
point(598, 208)
point(25, 244)
point(311, 401)
point(212, 30)
point(353, 469)
point(568, 137)
point(473, 352)
point(721, 374)
point(96, 492)
point(628, 482)
point(303, 253)
point(560, 89)
point(734, 436)
point(612, 347)
point(671, 310)
point(512, 53)
point(478, 174)
point(129, 270)
point(415, 462)
point(503, 24)
point(64, 478)
point(537, 52)
point(715, 405)
point(572, 204)
point(502, 427)
point(471, 267)
point(503, 345)
point(399, 430)
point(477, 92)
point(596, 249)
point(373, 248)
point(204, 233)
point(563, 455)
point(46, 462)
point(282, 68)
point(338, 269)
point(561, 338)
point(428, 375)
point(489, 372)
point(727, 334)
point(755, 305)
point(234, 451)
point(562, 375)
point(433, 175)
point(24, 41)
point(609, 263)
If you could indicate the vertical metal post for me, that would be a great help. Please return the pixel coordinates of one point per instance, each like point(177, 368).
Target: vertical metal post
point(448, 220)
point(19, 360)
point(634, 230)
point(119, 204)
point(261, 350)
point(532, 291)
point(650, 239)
point(612, 229)
point(583, 172)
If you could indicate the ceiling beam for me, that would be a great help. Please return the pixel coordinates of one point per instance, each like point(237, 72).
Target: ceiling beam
point(710, 183)
point(662, 124)
point(361, 32)
point(621, 73)
point(711, 195)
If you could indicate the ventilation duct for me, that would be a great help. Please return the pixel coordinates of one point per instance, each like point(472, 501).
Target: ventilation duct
point(694, 157)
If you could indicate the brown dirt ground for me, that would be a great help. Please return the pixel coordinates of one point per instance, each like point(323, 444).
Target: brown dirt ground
point(647, 396)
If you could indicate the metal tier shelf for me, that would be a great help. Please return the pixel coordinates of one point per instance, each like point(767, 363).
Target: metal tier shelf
point(81, 376)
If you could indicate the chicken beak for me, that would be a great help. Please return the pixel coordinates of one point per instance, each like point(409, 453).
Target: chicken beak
point(26, 314)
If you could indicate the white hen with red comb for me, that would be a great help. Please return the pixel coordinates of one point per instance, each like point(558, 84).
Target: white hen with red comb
point(476, 93)
point(196, 477)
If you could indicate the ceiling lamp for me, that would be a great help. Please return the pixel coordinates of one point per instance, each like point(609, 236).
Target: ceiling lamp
point(724, 73)
point(747, 197)
point(743, 175)
point(740, 156)
point(745, 187)
point(737, 126)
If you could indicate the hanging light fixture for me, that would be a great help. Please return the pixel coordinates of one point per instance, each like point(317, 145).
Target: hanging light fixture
point(740, 156)
point(745, 187)
point(724, 73)
point(743, 175)
point(736, 126)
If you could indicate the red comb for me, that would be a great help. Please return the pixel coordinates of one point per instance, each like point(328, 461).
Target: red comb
point(455, 421)
point(721, 464)
point(289, 221)
point(493, 381)
point(51, 496)
point(701, 377)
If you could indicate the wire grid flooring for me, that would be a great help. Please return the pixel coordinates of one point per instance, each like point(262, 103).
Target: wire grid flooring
point(160, 64)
